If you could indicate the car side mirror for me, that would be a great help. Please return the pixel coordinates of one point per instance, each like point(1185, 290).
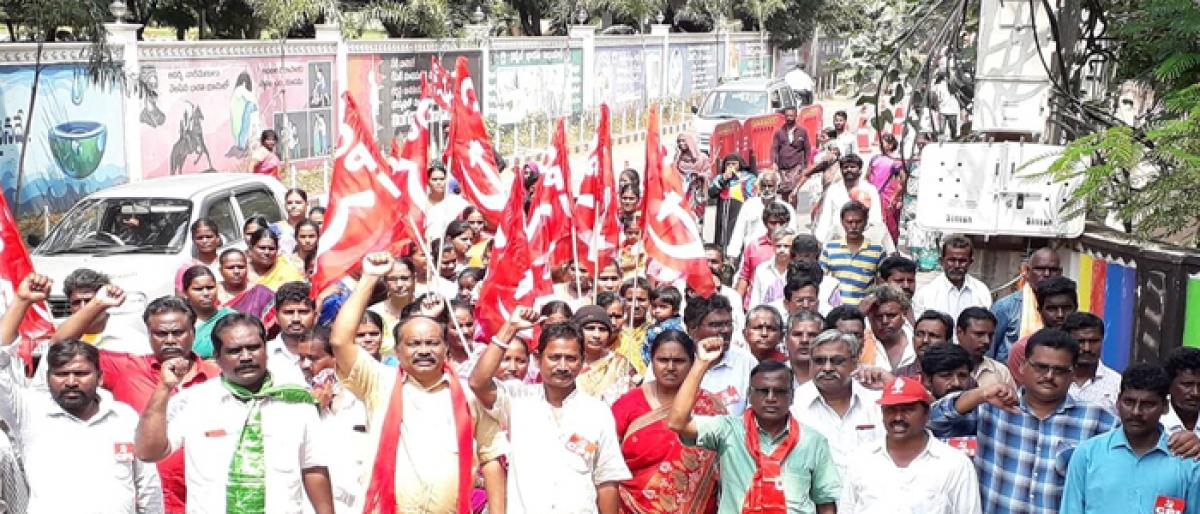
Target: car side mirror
point(33, 240)
point(695, 109)
point(776, 104)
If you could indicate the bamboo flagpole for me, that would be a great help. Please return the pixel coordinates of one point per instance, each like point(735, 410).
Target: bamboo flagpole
point(428, 258)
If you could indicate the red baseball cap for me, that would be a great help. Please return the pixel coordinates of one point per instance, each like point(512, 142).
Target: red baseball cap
point(905, 390)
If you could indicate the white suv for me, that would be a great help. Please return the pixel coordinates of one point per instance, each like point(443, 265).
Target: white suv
point(144, 261)
point(739, 100)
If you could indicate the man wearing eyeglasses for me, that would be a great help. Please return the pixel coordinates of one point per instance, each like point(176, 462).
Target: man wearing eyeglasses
point(1025, 438)
point(834, 403)
point(1016, 314)
point(728, 376)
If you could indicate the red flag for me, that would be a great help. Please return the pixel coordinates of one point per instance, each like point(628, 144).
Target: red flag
point(410, 172)
point(549, 225)
point(36, 327)
point(596, 206)
point(671, 237)
point(437, 84)
point(362, 198)
point(511, 285)
point(469, 153)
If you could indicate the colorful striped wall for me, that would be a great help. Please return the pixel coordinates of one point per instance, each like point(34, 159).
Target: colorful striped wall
point(1147, 294)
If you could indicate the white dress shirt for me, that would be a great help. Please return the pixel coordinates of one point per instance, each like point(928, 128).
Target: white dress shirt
point(558, 455)
point(75, 465)
point(750, 226)
point(283, 364)
point(439, 215)
point(1171, 422)
point(940, 295)
point(729, 379)
point(1101, 390)
point(909, 355)
point(862, 424)
point(767, 284)
point(941, 480)
point(206, 421)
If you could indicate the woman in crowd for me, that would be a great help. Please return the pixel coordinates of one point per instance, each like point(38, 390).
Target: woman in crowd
point(369, 337)
point(237, 292)
point(729, 189)
point(307, 237)
point(556, 311)
point(629, 177)
point(399, 283)
point(267, 267)
point(482, 236)
point(295, 207)
point(264, 161)
point(200, 291)
point(460, 236)
point(667, 476)
point(251, 225)
point(206, 242)
point(631, 200)
point(605, 374)
point(696, 169)
point(444, 206)
point(886, 173)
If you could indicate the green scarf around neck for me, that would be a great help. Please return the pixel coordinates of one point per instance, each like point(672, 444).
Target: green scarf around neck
point(246, 491)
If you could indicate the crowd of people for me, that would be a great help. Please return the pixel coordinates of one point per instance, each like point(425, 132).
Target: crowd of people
point(818, 378)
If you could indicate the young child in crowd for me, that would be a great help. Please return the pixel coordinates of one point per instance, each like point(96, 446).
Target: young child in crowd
point(665, 307)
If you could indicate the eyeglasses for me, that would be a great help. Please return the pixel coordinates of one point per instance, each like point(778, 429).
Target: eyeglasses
point(1042, 369)
point(836, 360)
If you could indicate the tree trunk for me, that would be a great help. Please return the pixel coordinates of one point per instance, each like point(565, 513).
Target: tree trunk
point(37, 73)
point(12, 30)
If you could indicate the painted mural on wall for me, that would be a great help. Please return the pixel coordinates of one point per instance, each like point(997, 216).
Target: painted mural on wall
point(75, 134)
point(620, 76)
point(388, 86)
point(691, 68)
point(521, 83)
point(209, 114)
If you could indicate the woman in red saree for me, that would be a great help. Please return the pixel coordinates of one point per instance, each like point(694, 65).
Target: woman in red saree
point(667, 476)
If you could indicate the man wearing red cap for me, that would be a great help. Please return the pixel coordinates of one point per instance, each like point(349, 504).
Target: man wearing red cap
point(909, 470)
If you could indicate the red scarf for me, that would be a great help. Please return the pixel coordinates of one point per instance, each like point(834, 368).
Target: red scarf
point(381, 490)
point(766, 488)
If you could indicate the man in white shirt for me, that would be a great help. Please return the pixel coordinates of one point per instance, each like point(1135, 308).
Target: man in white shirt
point(771, 276)
point(1183, 409)
point(76, 425)
point(888, 343)
point(833, 402)
point(565, 456)
point(750, 224)
point(249, 445)
point(728, 378)
point(909, 471)
point(953, 290)
point(1094, 382)
point(297, 314)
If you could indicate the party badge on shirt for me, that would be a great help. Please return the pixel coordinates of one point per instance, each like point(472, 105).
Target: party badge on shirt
point(580, 446)
point(123, 452)
point(967, 445)
point(1168, 505)
point(729, 396)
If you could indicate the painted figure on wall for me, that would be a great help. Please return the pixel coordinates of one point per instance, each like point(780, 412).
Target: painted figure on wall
point(243, 116)
point(191, 141)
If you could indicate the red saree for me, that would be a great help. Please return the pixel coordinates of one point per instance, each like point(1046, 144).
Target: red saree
point(667, 476)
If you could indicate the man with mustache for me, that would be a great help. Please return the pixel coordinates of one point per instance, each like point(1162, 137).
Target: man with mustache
point(931, 328)
point(853, 259)
point(132, 379)
point(565, 453)
point(1017, 314)
point(975, 328)
point(790, 148)
point(249, 445)
point(1094, 382)
point(297, 314)
point(1183, 365)
point(1130, 468)
point(909, 471)
point(430, 430)
point(803, 328)
point(74, 424)
point(769, 462)
point(1039, 425)
point(726, 378)
point(954, 289)
point(1056, 299)
point(834, 403)
point(887, 345)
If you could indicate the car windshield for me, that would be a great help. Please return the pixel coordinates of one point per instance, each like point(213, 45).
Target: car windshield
point(734, 104)
point(121, 225)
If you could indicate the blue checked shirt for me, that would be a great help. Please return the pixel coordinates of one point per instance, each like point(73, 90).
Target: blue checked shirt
point(1022, 460)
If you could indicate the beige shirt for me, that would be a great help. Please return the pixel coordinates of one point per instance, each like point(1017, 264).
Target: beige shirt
point(991, 371)
point(427, 458)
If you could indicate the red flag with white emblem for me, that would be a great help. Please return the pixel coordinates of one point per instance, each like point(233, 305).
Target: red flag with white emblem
point(596, 206)
point(512, 283)
point(362, 196)
point(549, 224)
point(410, 172)
point(469, 154)
point(671, 238)
point(15, 265)
point(437, 84)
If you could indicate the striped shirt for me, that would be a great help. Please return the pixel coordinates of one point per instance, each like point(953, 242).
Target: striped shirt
point(855, 271)
point(1022, 461)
